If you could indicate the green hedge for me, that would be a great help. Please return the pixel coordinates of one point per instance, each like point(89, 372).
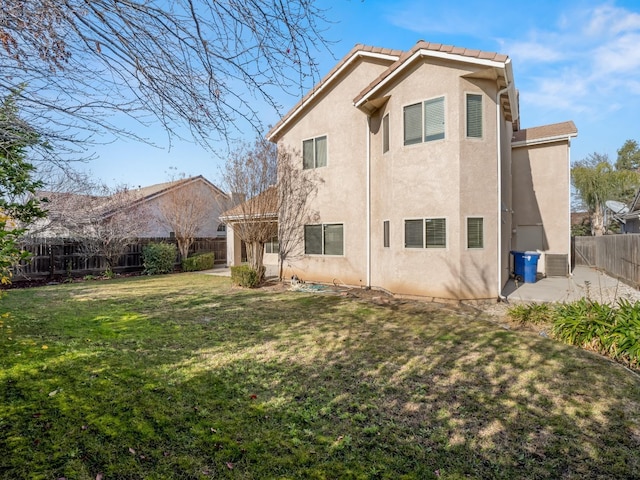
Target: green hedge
point(612, 330)
point(159, 258)
point(203, 261)
point(245, 276)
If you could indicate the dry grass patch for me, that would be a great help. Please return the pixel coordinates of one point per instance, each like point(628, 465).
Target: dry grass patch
point(182, 376)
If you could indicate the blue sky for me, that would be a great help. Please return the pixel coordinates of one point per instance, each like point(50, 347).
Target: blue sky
point(573, 60)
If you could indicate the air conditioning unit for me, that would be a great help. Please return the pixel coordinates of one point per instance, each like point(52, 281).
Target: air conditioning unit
point(556, 264)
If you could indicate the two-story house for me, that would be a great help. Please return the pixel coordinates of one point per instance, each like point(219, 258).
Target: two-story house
point(428, 181)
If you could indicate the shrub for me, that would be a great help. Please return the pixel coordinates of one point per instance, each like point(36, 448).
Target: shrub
point(159, 258)
point(533, 313)
point(245, 276)
point(203, 261)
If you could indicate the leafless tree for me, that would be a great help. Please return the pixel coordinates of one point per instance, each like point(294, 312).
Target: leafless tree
point(277, 192)
point(82, 66)
point(185, 210)
point(250, 173)
point(296, 189)
point(103, 220)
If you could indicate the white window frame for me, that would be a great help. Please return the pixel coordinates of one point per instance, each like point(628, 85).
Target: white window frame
point(424, 221)
point(315, 152)
point(322, 239)
point(269, 246)
point(423, 124)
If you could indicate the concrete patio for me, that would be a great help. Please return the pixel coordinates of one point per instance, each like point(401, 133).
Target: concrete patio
point(583, 282)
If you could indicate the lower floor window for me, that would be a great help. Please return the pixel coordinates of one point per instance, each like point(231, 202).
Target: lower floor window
point(272, 245)
point(475, 232)
point(425, 233)
point(324, 239)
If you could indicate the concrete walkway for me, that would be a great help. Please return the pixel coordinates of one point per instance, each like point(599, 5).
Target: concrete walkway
point(583, 282)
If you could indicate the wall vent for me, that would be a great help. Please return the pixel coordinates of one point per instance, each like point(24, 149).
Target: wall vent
point(556, 264)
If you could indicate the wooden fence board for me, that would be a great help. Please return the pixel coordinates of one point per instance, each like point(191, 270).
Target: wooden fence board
point(59, 256)
point(617, 255)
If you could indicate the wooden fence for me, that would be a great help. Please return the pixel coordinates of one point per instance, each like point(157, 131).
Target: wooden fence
point(616, 255)
point(51, 257)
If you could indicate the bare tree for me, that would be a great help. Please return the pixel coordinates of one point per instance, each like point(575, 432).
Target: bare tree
point(103, 220)
point(185, 209)
point(206, 65)
point(296, 187)
point(250, 173)
point(277, 192)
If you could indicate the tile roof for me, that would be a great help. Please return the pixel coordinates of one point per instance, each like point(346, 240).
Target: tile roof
point(436, 48)
point(358, 49)
point(397, 59)
point(544, 133)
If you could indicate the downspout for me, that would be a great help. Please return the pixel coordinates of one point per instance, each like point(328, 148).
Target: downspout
point(569, 250)
point(368, 202)
point(499, 147)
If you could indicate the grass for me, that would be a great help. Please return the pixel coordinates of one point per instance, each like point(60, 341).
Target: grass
point(182, 376)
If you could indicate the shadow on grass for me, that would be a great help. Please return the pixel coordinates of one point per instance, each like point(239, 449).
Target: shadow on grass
point(173, 381)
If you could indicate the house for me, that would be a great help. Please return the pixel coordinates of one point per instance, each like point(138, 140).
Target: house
point(428, 180)
point(70, 209)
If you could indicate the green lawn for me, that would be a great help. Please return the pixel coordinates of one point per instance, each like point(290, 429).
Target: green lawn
point(182, 376)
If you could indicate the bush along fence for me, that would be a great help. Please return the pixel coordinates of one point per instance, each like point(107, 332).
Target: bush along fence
point(53, 257)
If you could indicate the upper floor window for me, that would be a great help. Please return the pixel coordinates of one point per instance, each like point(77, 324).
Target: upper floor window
point(474, 115)
point(314, 152)
point(385, 133)
point(324, 239)
point(424, 122)
point(425, 233)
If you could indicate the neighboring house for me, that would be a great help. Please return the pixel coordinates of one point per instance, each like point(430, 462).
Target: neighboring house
point(154, 196)
point(146, 199)
point(428, 181)
point(256, 215)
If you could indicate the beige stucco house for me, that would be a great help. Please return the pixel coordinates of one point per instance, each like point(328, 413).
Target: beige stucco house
point(147, 202)
point(428, 180)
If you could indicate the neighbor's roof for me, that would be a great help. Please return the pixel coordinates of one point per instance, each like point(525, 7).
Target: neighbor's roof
point(159, 188)
point(398, 60)
point(263, 205)
point(544, 134)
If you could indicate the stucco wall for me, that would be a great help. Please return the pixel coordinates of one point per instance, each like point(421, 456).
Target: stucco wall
point(156, 226)
point(341, 184)
point(452, 178)
point(541, 197)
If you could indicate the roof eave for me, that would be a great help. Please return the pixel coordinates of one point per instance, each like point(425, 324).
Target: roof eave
point(273, 134)
point(360, 102)
point(538, 141)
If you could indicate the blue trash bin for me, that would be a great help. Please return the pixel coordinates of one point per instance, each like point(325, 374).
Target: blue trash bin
point(518, 264)
point(525, 265)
